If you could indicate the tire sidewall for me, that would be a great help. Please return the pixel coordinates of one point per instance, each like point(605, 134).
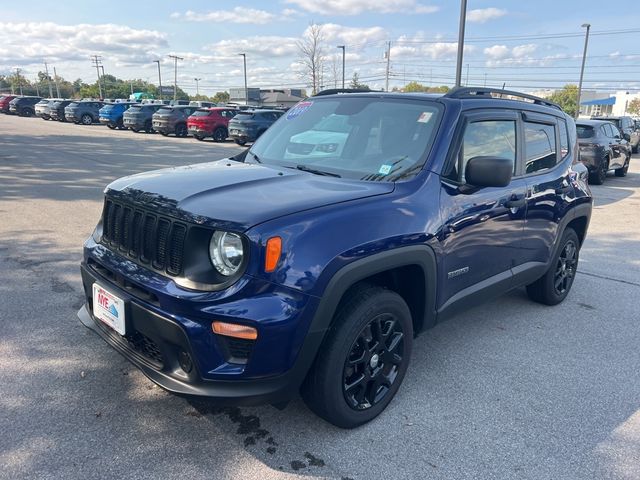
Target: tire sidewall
point(339, 343)
point(569, 234)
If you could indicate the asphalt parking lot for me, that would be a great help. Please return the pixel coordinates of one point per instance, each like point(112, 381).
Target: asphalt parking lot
point(508, 390)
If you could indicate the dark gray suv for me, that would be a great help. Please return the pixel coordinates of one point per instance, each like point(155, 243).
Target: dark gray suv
point(173, 119)
point(83, 111)
point(138, 117)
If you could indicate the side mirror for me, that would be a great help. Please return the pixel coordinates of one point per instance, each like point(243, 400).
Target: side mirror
point(627, 137)
point(488, 171)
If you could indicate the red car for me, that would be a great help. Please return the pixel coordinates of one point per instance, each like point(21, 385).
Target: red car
point(4, 102)
point(211, 122)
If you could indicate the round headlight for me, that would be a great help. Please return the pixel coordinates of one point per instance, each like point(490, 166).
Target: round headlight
point(226, 252)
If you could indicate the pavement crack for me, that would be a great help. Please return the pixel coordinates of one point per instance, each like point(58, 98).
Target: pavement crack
point(606, 277)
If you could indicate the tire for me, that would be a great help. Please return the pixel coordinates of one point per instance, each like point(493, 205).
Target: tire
point(240, 142)
point(111, 126)
point(46, 117)
point(198, 137)
point(220, 134)
point(120, 124)
point(358, 336)
point(597, 177)
point(135, 130)
point(622, 172)
point(26, 112)
point(148, 127)
point(554, 286)
point(181, 130)
point(86, 119)
point(635, 149)
point(164, 134)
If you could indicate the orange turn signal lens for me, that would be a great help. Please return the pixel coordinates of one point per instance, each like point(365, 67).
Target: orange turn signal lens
point(274, 249)
point(234, 330)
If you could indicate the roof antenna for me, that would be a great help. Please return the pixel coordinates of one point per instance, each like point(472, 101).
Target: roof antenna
point(503, 85)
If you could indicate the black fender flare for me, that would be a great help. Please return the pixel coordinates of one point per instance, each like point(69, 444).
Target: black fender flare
point(421, 255)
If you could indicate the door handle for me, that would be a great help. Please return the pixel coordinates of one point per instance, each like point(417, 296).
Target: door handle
point(516, 201)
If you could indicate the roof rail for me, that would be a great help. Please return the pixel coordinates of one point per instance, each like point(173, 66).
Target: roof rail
point(485, 92)
point(333, 91)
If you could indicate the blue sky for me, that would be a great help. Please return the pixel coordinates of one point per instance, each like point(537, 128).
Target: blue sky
point(527, 45)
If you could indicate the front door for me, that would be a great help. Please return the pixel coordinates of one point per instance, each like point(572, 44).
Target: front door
point(482, 228)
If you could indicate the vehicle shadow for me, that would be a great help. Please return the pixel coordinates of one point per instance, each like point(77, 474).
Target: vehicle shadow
point(615, 189)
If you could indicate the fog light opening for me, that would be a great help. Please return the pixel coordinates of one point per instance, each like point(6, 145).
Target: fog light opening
point(184, 359)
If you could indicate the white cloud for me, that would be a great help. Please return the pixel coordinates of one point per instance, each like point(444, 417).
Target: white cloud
point(262, 46)
point(482, 15)
point(524, 50)
point(29, 43)
point(518, 55)
point(351, 35)
point(419, 46)
point(356, 7)
point(236, 15)
point(497, 52)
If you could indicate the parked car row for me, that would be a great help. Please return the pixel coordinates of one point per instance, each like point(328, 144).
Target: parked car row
point(196, 118)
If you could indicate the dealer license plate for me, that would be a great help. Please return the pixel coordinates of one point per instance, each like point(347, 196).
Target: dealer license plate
point(108, 308)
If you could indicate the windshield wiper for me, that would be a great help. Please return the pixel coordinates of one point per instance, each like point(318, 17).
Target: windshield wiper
point(255, 157)
point(304, 168)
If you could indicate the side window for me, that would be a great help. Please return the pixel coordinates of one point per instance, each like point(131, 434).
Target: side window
point(495, 138)
point(564, 138)
point(539, 147)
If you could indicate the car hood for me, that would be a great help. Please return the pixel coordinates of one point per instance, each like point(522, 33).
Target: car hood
point(236, 196)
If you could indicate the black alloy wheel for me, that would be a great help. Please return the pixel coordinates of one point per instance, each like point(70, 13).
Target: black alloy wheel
point(566, 268)
point(181, 130)
point(622, 171)
point(598, 177)
point(86, 119)
point(373, 362)
point(220, 134)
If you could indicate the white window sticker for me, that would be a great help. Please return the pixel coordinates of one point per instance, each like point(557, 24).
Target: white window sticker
point(385, 169)
point(425, 117)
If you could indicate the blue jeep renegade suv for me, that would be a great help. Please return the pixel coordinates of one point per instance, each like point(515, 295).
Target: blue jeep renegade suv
point(311, 261)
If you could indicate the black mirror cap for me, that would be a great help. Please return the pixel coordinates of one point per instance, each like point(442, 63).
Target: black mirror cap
point(627, 137)
point(488, 171)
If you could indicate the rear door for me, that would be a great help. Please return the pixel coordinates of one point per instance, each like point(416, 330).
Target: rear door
point(617, 145)
point(483, 228)
point(546, 169)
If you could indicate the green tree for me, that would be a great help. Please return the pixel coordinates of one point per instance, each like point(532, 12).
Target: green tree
point(415, 87)
point(221, 97)
point(355, 83)
point(567, 98)
point(633, 107)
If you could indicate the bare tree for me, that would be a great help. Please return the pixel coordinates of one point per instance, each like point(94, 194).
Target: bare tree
point(312, 52)
point(335, 70)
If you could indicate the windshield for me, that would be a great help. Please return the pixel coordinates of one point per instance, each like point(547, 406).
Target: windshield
point(243, 116)
point(134, 109)
point(73, 104)
point(584, 131)
point(375, 139)
point(107, 108)
point(201, 113)
point(164, 110)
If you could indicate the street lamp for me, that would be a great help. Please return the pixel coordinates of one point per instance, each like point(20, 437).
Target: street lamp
point(343, 54)
point(197, 88)
point(159, 78)
point(246, 90)
point(463, 18)
point(584, 59)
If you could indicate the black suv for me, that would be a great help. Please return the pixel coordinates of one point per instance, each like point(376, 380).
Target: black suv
point(139, 117)
point(24, 106)
point(247, 126)
point(628, 128)
point(602, 148)
point(311, 260)
point(56, 109)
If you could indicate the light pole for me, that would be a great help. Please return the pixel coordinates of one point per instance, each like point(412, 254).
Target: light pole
point(463, 18)
point(343, 55)
point(159, 78)
point(104, 83)
point(197, 88)
point(246, 90)
point(584, 59)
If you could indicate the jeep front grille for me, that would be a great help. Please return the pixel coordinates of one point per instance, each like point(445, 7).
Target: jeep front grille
point(144, 236)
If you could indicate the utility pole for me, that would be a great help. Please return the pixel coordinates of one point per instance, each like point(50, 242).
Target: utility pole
point(463, 19)
point(104, 83)
point(46, 72)
point(466, 82)
point(175, 75)
point(159, 79)
point(197, 87)
point(96, 61)
point(584, 59)
point(55, 79)
point(343, 47)
point(19, 80)
point(485, 79)
point(246, 90)
point(386, 89)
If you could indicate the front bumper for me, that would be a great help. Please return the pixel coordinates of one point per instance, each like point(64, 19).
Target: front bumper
point(158, 342)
